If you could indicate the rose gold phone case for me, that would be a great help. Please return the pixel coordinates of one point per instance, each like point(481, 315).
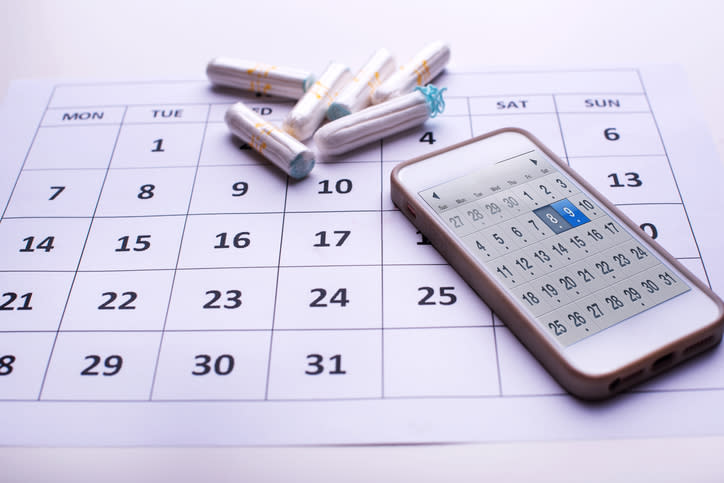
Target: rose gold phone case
point(584, 385)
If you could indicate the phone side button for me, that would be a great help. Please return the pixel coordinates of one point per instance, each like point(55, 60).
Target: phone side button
point(411, 211)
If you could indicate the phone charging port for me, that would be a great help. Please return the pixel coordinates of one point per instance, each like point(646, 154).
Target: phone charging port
point(662, 361)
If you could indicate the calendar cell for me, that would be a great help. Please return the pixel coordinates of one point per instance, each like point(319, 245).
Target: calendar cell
point(220, 148)
point(512, 105)
point(140, 243)
point(214, 365)
point(222, 299)
point(247, 189)
point(269, 109)
point(338, 186)
point(42, 243)
point(440, 362)
point(23, 359)
point(543, 126)
point(405, 245)
point(520, 373)
point(387, 203)
point(695, 266)
point(78, 147)
point(335, 238)
point(611, 134)
point(668, 225)
point(456, 106)
point(431, 136)
point(158, 145)
point(139, 192)
point(50, 193)
point(328, 298)
point(630, 180)
point(119, 300)
point(102, 366)
point(31, 301)
point(430, 296)
point(326, 364)
point(221, 241)
point(474, 216)
point(83, 116)
point(602, 103)
point(166, 114)
point(587, 207)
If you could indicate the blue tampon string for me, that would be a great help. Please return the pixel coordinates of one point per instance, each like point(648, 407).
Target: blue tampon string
point(433, 98)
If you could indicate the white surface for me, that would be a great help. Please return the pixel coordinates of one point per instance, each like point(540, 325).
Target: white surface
point(83, 38)
point(139, 39)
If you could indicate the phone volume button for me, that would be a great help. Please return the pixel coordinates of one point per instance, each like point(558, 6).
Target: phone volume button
point(411, 211)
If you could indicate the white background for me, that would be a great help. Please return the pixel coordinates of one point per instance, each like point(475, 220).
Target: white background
point(175, 39)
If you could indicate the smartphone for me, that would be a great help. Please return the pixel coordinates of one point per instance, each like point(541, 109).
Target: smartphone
point(599, 303)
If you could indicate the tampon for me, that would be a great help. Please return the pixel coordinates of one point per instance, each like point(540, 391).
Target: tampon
point(375, 122)
point(308, 113)
point(423, 67)
point(293, 157)
point(262, 78)
point(356, 95)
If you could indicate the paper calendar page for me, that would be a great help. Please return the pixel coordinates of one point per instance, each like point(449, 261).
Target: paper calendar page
point(162, 284)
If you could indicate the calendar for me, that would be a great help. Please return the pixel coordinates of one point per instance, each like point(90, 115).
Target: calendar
point(556, 251)
point(162, 284)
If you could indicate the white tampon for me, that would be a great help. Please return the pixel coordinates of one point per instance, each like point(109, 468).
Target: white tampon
point(356, 95)
point(293, 157)
point(257, 77)
point(378, 121)
point(308, 113)
point(423, 67)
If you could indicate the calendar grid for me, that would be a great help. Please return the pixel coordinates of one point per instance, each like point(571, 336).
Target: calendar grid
point(560, 128)
point(279, 330)
point(178, 256)
point(382, 275)
point(25, 160)
point(678, 190)
point(75, 272)
point(276, 294)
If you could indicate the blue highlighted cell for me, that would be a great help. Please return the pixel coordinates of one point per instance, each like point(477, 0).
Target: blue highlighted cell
point(570, 213)
point(552, 219)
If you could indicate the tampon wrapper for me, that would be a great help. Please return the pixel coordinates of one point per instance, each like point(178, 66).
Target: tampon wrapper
point(357, 94)
point(423, 67)
point(254, 76)
point(375, 122)
point(308, 113)
point(293, 157)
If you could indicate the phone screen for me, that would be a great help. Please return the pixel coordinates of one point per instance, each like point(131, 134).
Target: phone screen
point(563, 257)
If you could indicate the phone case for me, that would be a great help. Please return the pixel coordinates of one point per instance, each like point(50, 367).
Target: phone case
point(587, 386)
